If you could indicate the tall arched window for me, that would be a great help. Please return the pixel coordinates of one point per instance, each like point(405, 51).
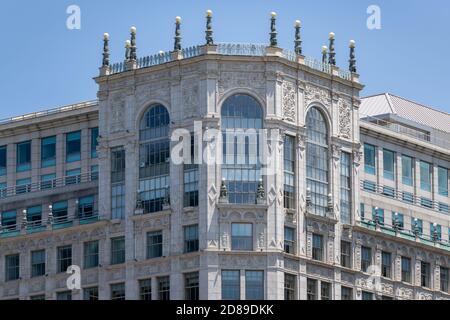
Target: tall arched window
point(154, 166)
point(241, 163)
point(317, 161)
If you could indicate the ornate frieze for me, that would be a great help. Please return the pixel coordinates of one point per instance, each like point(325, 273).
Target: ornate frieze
point(190, 99)
point(235, 80)
point(345, 119)
point(317, 94)
point(289, 101)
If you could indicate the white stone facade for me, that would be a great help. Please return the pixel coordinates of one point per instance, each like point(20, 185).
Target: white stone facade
point(194, 89)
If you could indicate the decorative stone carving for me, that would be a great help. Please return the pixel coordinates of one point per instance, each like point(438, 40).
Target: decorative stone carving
point(233, 80)
point(117, 116)
point(289, 101)
point(345, 119)
point(190, 99)
point(317, 94)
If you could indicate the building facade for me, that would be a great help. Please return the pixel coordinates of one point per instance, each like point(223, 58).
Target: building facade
point(356, 206)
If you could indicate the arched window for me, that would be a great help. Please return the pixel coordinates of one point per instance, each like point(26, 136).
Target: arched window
point(242, 117)
point(154, 166)
point(317, 161)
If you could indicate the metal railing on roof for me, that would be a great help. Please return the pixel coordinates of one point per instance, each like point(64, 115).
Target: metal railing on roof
point(407, 130)
point(228, 49)
point(44, 113)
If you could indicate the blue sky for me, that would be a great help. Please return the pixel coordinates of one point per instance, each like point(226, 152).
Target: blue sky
point(45, 65)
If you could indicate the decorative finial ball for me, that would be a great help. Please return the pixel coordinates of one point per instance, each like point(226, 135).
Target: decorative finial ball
point(298, 23)
point(127, 43)
point(106, 36)
point(273, 14)
point(209, 13)
point(332, 35)
point(435, 225)
point(161, 52)
point(178, 20)
point(133, 30)
point(352, 43)
point(324, 49)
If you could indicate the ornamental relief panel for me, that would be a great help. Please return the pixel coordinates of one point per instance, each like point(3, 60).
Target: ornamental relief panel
point(156, 91)
point(190, 99)
point(317, 94)
point(345, 119)
point(289, 101)
point(235, 80)
point(116, 114)
point(236, 261)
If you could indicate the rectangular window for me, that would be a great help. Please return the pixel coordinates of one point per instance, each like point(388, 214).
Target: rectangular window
point(389, 164)
point(118, 165)
point(444, 208)
point(311, 289)
point(346, 254)
point(362, 210)
point(444, 279)
point(417, 224)
point(3, 190)
point(64, 296)
point(145, 290)
point(9, 220)
point(94, 142)
point(443, 181)
point(346, 293)
point(154, 244)
point(398, 220)
point(370, 186)
point(91, 252)
point(60, 212)
point(23, 160)
point(406, 270)
point(118, 250)
point(90, 294)
point(289, 286)
point(39, 297)
point(408, 197)
point(254, 285)
point(37, 263)
point(34, 216)
point(388, 192)
point(289, 172)
point(386, 264)
point(48, 152)
point(23, 186)
point(367, 295)
point(289, 240)
point(48, 181)
point(425, 272)
point(64, 258)
point(242, 236)
point(325, 291)
point(231, 285)
point(346, 184)
point(164, 288)
point(426, 202)
point(86, 207)
point(369, 159)
point(73, 176)
point(12, 267)
point(191, 241)
point(3, 160)
point(94, 173)
point(73, 146)
point(366, 258)
point(425, 176)
point(190, 186)
point(407, 170)
point(435, 232)
point(317, 247)
point(118, 291)
point(378, 213)
point(191, 286)
point(118, 201)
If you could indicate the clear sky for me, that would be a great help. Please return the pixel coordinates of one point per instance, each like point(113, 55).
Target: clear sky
point(45, 65)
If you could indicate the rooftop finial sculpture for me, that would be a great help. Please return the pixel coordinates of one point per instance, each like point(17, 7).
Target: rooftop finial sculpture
point(177, 45)
point(105, 62)
point(209, 30)
point(352, 60)
point(133, 54)
point(127, 50)
point(324, 54)
point(298, 39)
point(332, 54)
point(273, 30)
